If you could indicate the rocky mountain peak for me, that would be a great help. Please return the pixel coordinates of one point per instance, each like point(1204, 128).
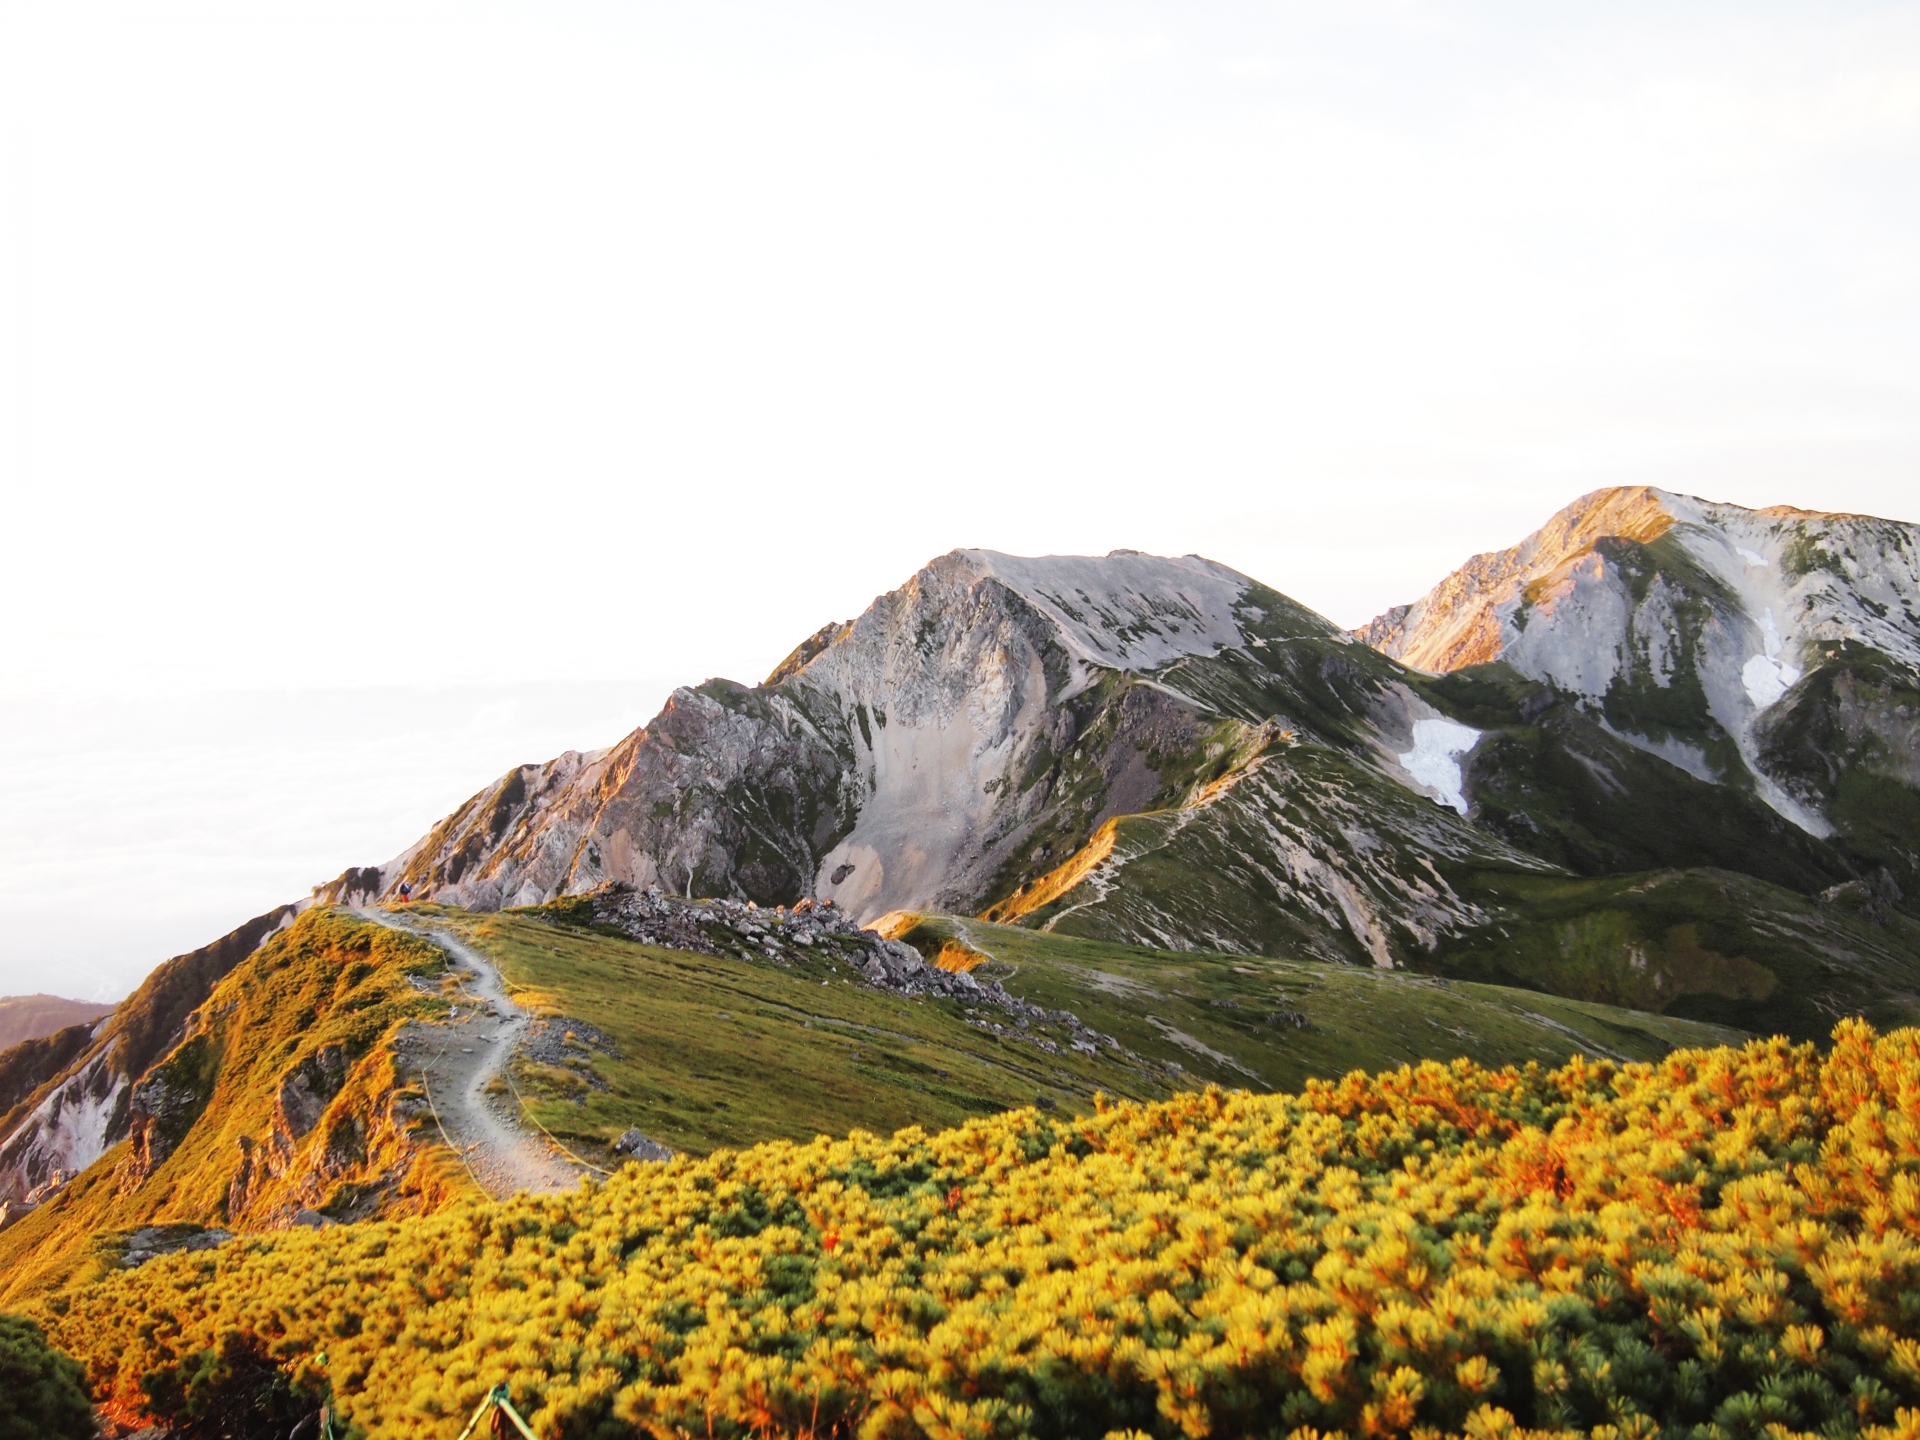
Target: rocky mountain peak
point(1828, 576)
point(1126, 610)
point(1460, 621)
point(897, 760)
point(1682, 621)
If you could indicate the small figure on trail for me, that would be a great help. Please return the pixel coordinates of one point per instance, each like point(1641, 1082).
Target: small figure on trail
point(406, 892)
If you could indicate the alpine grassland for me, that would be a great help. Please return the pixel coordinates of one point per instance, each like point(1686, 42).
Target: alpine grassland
point(710, 1051)
point(1721, 1245)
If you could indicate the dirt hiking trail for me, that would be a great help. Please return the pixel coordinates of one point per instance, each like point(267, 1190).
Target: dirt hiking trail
point(460, 1057)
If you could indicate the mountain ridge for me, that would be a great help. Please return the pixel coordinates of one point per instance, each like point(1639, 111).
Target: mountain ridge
point(1681, 621)
point(30, 1017)
point(1265, 707)
point(1161, 752)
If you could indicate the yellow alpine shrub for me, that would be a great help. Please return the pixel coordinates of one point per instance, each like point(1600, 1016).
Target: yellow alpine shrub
point(1725, 1245)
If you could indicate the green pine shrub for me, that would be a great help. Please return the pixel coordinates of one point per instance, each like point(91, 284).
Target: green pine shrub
point(43, 1394)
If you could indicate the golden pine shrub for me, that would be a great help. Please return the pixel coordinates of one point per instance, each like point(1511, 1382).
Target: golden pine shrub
point(1723, 1245)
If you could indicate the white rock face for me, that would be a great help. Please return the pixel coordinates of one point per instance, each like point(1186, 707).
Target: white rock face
point(1629, 592)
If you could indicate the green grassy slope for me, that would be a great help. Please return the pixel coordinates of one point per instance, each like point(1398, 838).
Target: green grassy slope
point(1306, 850)
point(722, 1052)
point(1846, 741)
point(1688, 899)
point(1708, 944)
point(711, 1053)
point(1549, 779)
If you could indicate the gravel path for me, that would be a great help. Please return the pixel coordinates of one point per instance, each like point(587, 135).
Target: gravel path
point(461, 1056)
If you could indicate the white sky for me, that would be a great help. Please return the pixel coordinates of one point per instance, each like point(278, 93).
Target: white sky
point(390, 393)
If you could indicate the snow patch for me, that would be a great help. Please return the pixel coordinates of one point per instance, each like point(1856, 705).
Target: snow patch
point(1769, 633)
point(1767, 679)
point(1753, 558)
point(1433, 760)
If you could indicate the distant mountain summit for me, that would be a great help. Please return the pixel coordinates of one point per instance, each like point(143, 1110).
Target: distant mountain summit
point(29, 1017)
point(1771, 649)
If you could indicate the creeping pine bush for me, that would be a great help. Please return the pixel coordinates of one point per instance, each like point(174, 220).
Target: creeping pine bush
point(1722, 1246)
point(43, 1394)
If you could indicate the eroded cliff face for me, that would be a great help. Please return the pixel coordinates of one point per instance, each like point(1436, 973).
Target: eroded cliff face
point(968, 696)
point(903, 760)
point(1680, 622)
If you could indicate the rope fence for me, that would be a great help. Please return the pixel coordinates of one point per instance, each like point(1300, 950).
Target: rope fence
point(506, 1071)
point(443, 1129)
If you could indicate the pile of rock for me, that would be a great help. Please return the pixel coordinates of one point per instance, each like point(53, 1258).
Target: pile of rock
point(636, 1146)
point(743, 930)
point(715, 927)
point(154, 1240)
point(1079, 1035)
point(820, 932)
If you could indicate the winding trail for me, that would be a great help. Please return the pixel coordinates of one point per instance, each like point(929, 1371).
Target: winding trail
point(462, 1056)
